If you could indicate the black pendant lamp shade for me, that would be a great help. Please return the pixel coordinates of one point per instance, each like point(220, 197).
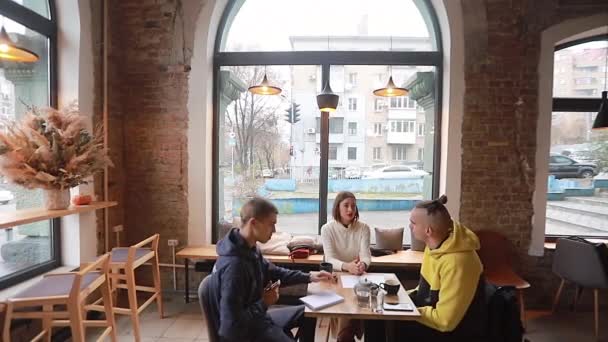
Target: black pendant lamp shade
point(265, 88)
point(327, 100)
point(601, 120)
point(391, 90)
point(10, 51)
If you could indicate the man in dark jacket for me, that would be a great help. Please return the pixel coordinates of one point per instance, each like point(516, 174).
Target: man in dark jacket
point(242, 283)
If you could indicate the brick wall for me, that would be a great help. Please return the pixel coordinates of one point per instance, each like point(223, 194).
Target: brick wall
point(501, 60)
point(149, 120)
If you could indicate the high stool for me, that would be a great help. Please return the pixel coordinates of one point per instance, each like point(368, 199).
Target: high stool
point(62, 297)
point(124, 261)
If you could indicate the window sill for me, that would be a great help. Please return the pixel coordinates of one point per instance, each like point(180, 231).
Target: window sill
point(551, 245)
point(19, 217)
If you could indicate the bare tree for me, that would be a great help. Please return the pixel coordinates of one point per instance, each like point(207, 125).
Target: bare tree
point(251, 116)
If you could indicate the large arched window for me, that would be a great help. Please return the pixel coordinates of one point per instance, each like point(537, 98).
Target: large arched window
point(30, 249)
point(381, 149)
point(578, 164)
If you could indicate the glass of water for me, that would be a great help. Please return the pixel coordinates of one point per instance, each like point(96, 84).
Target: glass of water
point(363, 297)
point(377, 302)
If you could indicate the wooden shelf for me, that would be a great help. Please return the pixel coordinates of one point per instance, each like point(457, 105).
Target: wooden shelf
point(24, 216)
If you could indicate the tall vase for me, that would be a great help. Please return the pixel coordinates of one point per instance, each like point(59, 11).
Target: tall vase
point(56, 199)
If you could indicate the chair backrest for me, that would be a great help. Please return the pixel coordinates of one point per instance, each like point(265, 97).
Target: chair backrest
point(211, 313)
point(581, 262)
point(495, 250)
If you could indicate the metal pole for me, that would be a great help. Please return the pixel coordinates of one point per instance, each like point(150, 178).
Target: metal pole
point(324, 167)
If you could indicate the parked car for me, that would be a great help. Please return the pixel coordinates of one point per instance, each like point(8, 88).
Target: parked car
point(352, 172)
point(267, 173)
point(369, 170)
point(397, 171)
point(5, 197)
point(565, 167)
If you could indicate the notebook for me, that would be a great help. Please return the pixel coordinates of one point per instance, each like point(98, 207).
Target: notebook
point(321, 300)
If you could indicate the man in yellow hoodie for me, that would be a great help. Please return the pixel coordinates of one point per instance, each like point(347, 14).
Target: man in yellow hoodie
point(450, 293)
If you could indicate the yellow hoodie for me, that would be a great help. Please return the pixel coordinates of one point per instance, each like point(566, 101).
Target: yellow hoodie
point(449, 280)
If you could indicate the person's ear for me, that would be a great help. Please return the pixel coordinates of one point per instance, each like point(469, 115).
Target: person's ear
point(429, 230)
point(252, 221)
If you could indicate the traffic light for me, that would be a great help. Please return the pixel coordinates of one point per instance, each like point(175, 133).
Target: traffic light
point(293, 113)
point(291, 150)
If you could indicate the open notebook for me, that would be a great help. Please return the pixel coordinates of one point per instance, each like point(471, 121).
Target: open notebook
point(321, 300)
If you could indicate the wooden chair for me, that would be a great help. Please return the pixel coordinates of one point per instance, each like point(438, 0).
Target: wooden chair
point(584, 264)
point(496, 254)
point(48, 299)
point(124, 261)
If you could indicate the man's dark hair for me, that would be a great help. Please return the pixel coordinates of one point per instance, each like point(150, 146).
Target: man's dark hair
point(257, 208)
point(341, 196)
point(437, 210)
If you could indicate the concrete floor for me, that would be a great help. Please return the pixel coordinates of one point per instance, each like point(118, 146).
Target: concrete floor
point(184, 322)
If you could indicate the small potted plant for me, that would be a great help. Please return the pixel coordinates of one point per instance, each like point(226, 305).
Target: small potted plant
point(51, 149)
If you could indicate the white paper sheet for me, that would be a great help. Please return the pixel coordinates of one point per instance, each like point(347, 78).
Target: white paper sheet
point(349, 281)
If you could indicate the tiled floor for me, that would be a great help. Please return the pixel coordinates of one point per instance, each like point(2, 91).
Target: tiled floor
point(184, 322)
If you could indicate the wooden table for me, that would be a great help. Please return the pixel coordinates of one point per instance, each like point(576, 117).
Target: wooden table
point(404, 259)
point(349, 308)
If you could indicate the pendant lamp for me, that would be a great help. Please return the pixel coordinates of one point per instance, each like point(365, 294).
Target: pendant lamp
point(12, 52)
point(391, 89)
point(265, 88)
point(327, 100)
point(601, 120)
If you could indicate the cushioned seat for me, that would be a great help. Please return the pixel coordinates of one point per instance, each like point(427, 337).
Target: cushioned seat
point(61, 299)
point(56, 285)
point(496, 254)
point(120, 254)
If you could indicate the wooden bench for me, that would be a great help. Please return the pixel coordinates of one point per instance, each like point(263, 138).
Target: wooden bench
point(406, 259)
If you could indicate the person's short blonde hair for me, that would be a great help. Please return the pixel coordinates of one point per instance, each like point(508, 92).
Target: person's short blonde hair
point(257, 208)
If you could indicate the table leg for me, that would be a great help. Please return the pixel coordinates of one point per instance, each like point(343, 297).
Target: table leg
point(389, 331)
point(187, 281)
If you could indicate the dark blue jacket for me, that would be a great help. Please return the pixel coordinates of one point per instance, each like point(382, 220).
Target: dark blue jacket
point(238, 282)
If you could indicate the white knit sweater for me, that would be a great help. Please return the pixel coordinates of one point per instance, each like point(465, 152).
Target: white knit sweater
point(343, 244)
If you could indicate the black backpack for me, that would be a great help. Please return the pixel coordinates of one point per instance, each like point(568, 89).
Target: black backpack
point(504, 321)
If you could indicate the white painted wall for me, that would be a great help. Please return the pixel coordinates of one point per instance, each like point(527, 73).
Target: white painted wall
point(75, 82)
point(449, 14)
point(200, 124)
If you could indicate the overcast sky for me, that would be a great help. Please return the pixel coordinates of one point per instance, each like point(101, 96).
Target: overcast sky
point(270, 23)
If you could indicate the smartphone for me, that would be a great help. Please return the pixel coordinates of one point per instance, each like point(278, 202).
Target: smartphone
point(399, 307)
point(273, 285)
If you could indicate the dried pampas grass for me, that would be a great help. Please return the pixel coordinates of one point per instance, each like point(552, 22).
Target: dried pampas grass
point(50, 149)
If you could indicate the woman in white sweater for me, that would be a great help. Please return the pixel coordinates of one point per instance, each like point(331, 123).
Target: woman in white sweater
point(346, 247)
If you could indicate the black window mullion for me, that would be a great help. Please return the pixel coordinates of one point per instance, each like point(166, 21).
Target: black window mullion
point(414, 58)
point(28, 18)
point(570, 104)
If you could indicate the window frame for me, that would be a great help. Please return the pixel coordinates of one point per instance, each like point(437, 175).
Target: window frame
point(46, 27)
point(573, 105)
point(326, 59)
point(348, 152)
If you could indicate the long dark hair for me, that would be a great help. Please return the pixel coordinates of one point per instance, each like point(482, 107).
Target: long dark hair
point(342, 195)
